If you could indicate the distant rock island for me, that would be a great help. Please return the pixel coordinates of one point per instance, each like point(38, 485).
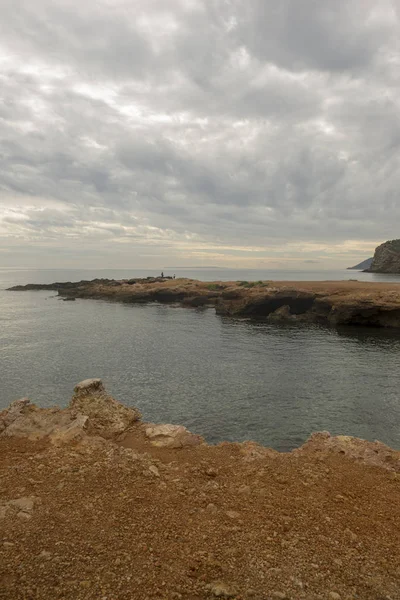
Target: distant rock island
point(386, 258)
point(362, 266)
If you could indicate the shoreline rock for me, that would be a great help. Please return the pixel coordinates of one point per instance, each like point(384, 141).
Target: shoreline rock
point(93, 413)
point(329, 303)
point(84, 516)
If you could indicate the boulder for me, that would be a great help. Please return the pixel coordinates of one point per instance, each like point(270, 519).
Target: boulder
point(106, 416)
point(171, 436)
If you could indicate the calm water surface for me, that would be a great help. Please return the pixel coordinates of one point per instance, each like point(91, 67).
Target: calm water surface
point(225, 379)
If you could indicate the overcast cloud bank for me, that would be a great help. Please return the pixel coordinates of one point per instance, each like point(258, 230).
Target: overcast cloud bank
point(248, 134)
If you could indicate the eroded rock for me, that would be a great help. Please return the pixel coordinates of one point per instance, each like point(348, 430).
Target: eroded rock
point(373, 453)
point(172, 436)
point(106, 416)
point(74, 430)
point(35, 423)
point(91, 411)
point(13, 412)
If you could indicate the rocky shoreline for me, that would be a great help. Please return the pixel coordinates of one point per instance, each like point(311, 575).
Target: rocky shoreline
point(95, 503)
point(333, 303)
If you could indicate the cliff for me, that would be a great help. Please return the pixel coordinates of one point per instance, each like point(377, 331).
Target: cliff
point(386, 258)
point(94, 503)
point(332, 303)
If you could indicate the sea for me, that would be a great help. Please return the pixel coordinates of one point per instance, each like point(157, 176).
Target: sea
point(225, 379)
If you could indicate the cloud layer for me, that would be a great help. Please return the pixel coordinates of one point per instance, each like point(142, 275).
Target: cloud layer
point(141, 134)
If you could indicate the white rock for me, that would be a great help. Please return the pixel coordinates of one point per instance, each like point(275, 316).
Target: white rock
point(171, 436)
point(153, 469)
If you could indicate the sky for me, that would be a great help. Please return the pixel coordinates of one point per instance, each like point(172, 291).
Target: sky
point(232, 133)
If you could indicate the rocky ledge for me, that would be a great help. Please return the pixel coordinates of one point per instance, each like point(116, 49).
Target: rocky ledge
point(327, 302)
point(94, 503)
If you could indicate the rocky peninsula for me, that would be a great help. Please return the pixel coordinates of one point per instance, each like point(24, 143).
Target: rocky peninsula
point(331, 303)
point(95, 503)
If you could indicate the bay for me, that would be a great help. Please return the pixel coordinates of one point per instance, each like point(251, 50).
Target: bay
point(225, 379)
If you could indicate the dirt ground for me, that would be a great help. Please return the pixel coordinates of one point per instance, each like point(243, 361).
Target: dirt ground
point(102, 522)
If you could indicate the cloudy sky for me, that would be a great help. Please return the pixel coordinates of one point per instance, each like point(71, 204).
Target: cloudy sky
point(238, 133)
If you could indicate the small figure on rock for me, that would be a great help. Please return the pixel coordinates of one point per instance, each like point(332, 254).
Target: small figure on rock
point(162, 274)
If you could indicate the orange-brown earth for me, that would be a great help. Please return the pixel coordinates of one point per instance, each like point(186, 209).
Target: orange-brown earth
point(95, 504)
point(330, 302)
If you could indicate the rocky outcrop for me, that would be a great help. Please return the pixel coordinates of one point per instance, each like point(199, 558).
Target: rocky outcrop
point(386, 258)
point(332, 303)
point(91, 412)
point(106, 417)
point(371, 453)
point(25, 420)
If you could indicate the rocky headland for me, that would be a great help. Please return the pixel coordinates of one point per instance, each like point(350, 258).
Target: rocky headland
point(332, 303)
point(97, 504)
point(362, 266)
point(386, 258)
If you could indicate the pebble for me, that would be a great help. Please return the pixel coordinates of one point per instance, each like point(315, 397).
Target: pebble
point(211, 472)
point(153, 469)
point(8, 545)
point(232, 514)
point(334, 596)
point(221, 590)
point(24, 516)
point(280, 595)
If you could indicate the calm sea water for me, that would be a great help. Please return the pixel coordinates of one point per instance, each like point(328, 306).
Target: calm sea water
point(226, 379)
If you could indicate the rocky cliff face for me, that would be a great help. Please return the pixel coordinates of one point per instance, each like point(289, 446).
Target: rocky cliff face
point(386, 258)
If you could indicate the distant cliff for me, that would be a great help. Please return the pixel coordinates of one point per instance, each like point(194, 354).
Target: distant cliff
point(365, 264)
point(386, 258)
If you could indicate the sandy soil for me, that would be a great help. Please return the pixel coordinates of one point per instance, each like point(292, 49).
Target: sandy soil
point(98, 521)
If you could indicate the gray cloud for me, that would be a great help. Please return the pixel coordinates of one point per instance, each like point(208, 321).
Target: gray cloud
point(232, 131)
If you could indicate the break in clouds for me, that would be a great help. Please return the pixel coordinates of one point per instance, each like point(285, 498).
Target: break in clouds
point(195, 132)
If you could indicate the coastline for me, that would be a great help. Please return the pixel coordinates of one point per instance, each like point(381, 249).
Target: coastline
point(102, 504)
point(332, 303)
